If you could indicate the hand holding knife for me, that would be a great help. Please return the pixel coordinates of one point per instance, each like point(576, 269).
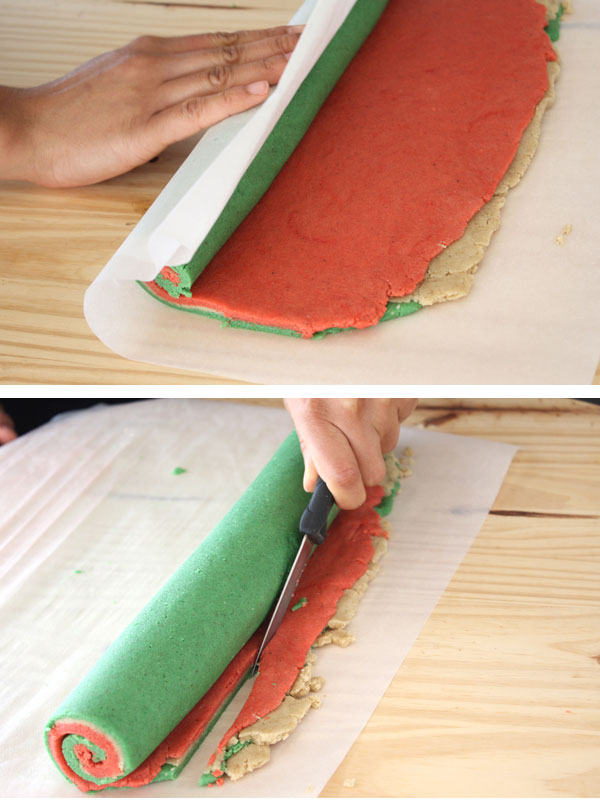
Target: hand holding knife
point(313, 527)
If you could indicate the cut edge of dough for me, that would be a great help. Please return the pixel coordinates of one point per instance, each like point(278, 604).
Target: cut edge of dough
point(302, 696)
point(450, 274)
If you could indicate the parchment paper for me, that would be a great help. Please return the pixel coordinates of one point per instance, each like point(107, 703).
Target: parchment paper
point(185, 211)
point(95, 492)
point(531, 317)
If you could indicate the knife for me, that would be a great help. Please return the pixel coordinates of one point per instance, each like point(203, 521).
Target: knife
point(313, 527)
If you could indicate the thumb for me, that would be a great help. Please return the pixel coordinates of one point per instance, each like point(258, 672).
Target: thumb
point(7, 433)
point(310, 471)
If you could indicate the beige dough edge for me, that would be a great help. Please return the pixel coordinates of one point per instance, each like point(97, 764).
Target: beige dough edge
point(303, 696)
point(450, 274)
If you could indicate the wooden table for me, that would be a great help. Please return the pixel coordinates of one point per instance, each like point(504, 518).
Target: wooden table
point(53, 243)
point(500, 694)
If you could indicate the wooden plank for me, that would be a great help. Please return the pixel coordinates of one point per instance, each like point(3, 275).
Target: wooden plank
point(499, 696)
point(52, 38)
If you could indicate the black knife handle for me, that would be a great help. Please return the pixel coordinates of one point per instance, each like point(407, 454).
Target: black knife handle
point(313, 522)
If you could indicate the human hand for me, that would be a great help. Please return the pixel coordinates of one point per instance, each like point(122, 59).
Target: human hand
point(343, 441)
point(7, 428)
point(122, 108)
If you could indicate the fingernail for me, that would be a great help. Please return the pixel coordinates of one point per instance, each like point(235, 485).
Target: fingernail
point(296, 28)
point(260, 87)
point(287, 56)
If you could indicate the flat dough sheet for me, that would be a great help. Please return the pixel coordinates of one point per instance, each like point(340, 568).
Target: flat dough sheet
point(393, 168)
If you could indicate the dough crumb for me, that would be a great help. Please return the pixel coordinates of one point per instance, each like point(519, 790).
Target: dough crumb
point(339, 636)
point(566, 230)
point(350, 783)
point(303, 683)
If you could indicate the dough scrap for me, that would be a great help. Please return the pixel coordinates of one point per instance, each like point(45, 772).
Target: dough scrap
point(340, 637)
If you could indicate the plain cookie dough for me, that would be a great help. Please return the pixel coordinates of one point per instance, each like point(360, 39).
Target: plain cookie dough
point(450, 274)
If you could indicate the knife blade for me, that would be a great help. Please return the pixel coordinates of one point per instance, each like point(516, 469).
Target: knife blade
point(313, 527)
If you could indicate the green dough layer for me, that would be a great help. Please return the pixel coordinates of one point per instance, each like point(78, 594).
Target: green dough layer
point(553, 26)
point(393, 311)
point(180, 643)
point(283, 139)
point(70, 742)
point(169, 772)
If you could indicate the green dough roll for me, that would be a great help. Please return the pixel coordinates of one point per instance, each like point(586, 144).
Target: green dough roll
point(180, 643)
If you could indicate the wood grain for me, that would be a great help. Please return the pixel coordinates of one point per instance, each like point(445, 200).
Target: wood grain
point(53, 243)
point(500, 694)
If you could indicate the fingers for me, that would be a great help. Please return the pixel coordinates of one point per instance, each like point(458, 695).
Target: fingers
point(310, 471)
point(366, 445)
point(7, 434)
point(184, 63)
point(7, 428)
point(343, 441)
point(219, 78)
point(329, 449)
point(203, 41)
point(334, 460)
point(386, 421)
point(196, 113)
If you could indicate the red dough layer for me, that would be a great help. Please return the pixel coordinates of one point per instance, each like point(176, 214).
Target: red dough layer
point(411, 143)
point(111, 765)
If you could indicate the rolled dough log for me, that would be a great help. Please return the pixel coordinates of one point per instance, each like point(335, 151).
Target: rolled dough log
point(182, 641)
